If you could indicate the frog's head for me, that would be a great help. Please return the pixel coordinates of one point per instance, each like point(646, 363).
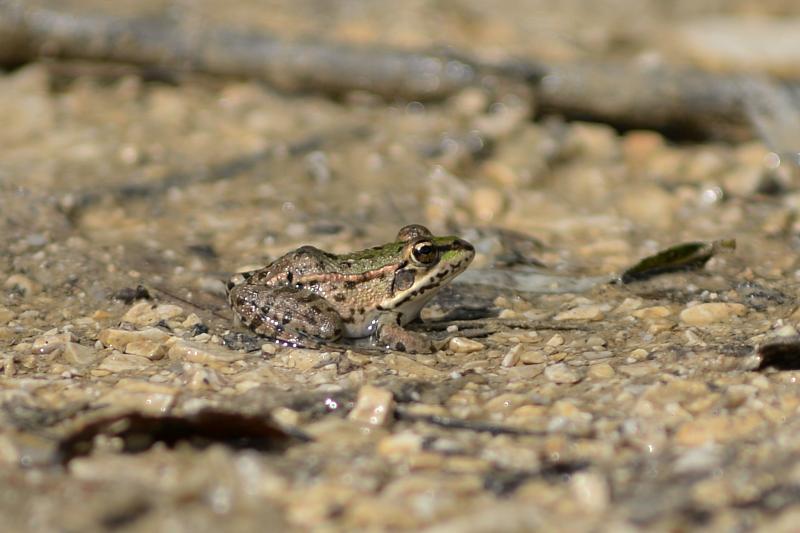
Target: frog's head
point(427, 264)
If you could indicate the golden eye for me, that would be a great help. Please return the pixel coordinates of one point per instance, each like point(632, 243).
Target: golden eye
point(424, 252)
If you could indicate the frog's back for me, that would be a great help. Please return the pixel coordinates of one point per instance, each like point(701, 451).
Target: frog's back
point(289, 269)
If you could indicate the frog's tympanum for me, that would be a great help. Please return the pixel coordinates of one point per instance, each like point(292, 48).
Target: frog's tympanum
point(309, 297)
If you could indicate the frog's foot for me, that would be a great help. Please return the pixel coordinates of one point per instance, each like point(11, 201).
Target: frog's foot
point(290, 316)
point(391, 335)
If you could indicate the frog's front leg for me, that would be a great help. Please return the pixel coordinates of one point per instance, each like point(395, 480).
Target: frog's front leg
point(390, 334)
point(289, 315)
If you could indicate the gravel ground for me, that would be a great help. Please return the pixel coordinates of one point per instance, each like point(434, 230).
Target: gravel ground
point(644, 406)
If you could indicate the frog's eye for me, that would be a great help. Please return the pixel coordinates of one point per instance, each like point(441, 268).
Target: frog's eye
point(424, 252)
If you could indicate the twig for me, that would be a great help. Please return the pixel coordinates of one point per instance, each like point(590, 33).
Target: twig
point(167, 42)
point(681, 102)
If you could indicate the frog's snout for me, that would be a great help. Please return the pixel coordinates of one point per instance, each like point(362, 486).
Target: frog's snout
point(465, 246)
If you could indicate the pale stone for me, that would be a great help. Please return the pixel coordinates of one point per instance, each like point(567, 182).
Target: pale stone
point(141, 396)
point(141, 314)
point(593, 355)
point(786, 331)
point(649, 205)
point(592, 140)
point(118, 362)
point(501, 173)
point(304, 360)
point(147, 348)
point(464, 345)
point(601, 371)
point(533, 357)
point(24, 284)
point(487, 203)
point(583, 312)
point(561, 373)
point(511, 358)
point(591, 490)
point(7, 333)
point(709, 313)
point(52, 342)
point(202, 353)
point(508, 314)
point(524, 372)
point(119, 338)
point(374, 406)
point(269, 348)
point(636, 370)
point(76, 354)
point(628, 305)
point(639, 145)
point(470, 101)
point(199, 377)
point(722, 428)
point(656, 311)
point(741, 44)
point(6, 315)
point(555, 340)
point(285, 417)
point(408, 367)
point(168, 311)
point(147, 314)
point(9, 365)
point(191, 321)
point(400, 445)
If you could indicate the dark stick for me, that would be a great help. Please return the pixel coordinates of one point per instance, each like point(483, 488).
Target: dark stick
point(170, 43)
point(678, 102)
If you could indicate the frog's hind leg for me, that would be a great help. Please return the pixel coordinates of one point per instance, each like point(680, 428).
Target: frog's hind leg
point(292, 316)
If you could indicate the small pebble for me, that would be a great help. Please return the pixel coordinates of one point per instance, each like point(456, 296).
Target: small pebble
point(52, 342)
point(464, 345)
point(374, 406)
point(400, 445)
point(23, 284)
point(405, 366)
point(583, 312)
point(591, 491)
point(709, 313)
point(524, 372)
point(141, 396)
point(202, 353)
point(511, 358)
point(656, 311)
point(555, 340)
point(9, 366)
point(6, 316)
point(487, 203)
point(601, 371)
point(79, 355)
point(638, 369)
point(119, 362)
point(120, 338)
point(533, 357)
point(561, 373)
point(269, 348)
point(147, 348)
point(786, 331)
point(147, 314)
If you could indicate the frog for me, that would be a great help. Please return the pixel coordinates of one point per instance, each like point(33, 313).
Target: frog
point(311, 298)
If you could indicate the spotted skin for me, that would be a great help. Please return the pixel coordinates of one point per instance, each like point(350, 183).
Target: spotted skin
point(309, 297)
